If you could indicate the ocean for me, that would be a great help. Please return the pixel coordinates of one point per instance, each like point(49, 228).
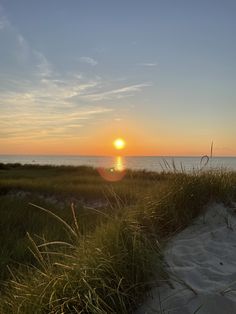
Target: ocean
point(151, 163)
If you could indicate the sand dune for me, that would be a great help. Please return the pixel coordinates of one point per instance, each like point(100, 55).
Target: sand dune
point(202, 265)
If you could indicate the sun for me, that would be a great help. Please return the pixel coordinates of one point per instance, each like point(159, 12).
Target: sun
point(119, 143)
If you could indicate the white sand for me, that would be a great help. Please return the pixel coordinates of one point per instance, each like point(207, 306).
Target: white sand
point(203, 256)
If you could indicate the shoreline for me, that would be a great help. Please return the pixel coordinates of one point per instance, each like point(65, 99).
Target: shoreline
point(149, 163)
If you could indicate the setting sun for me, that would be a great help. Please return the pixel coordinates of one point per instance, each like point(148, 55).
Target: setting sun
point(119, 143)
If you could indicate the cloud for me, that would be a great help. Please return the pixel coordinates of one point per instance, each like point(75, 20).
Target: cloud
point(23, 120)
point(88, 60)
point(23, 52)
point(4, 23)
point(20, 55)
point(147, 64)
point(44, 67)
point(37, 102)
point(125, 91)
point(44, 109)
point(38, 106)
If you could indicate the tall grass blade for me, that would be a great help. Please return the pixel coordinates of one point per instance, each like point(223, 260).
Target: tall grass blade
point(68, 227)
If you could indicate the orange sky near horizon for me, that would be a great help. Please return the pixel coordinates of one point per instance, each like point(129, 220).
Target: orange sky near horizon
point(141, 139)
point(101, 144)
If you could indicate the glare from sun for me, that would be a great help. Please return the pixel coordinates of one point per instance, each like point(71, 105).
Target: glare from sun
point(119, 143)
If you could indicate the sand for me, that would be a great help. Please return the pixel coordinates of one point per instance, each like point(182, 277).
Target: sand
point(202, 264)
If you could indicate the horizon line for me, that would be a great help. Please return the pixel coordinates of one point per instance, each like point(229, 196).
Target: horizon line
point(115, 155)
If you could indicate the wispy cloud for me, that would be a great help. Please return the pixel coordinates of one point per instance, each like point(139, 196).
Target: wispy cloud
point(24, 120)
point(45, 103)
point(43, 65)
point(148, 64)
point(45, 109)
point(125, 91)
point(88, 60)
point(38, 106)
point(33, 61)
point(4, 23)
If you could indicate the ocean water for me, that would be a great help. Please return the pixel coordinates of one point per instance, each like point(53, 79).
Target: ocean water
point(152, 163)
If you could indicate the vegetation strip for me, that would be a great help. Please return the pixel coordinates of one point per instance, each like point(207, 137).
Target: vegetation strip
point(90, 262)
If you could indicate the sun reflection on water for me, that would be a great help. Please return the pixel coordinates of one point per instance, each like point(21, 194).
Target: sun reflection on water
point(119, 163)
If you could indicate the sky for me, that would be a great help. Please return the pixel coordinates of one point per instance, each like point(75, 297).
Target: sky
point(75, 75)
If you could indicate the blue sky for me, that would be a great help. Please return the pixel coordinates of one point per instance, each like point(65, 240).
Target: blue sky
point(159, 73)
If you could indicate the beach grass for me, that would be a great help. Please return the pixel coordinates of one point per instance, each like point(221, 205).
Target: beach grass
point(95, 252)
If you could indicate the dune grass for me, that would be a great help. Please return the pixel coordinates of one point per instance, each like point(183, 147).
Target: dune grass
point(109, 266)
point(56, 188)
point(81, 182)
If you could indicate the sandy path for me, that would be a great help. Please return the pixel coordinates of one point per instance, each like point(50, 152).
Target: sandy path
point(202, 264)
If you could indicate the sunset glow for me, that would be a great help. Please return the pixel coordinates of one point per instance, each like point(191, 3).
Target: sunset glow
point(119, 143)
point(134, 87)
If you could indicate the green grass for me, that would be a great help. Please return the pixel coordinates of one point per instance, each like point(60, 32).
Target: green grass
point(55, 188)
point(106, 259)
point(82, 182)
